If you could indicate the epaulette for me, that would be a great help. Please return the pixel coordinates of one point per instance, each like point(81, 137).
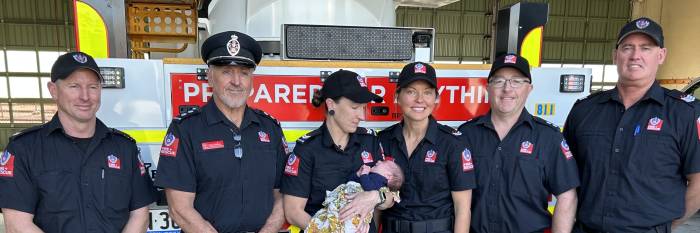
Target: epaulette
point(449, 130)
point(593, 94)
point(308, 135)
point(546, 123)
point(120, 133)
point(676, 94)
point(189, 113)
point(265, 114)
point(25, 131)
point(363, 130)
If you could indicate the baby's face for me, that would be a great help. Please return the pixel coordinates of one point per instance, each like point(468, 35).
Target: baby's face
point(383, 168)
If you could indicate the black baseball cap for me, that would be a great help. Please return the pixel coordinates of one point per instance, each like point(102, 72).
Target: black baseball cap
point(67, 63)
point(642, 25)
point(231, 48)
point(511, 60)
point(350, 85)
point(417, 71)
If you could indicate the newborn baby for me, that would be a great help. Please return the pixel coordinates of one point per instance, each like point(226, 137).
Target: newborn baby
point(326, 220)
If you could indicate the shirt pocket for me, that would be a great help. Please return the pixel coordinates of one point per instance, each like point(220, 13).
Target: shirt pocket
point(58, 191)
point(594, 146)
point(527, 177)
point(658, 156)
point(117, 190)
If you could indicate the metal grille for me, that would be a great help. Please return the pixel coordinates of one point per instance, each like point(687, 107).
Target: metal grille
point(347, 43)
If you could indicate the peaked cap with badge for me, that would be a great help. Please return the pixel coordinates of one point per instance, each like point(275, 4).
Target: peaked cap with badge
point(645, 26)
point(231, 48)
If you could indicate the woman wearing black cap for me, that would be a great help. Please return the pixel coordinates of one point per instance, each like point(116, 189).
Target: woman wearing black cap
point(436, 196)
point(326, 157)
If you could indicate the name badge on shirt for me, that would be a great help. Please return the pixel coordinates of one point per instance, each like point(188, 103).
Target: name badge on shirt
point(467, 164)
point(526, 147)
point(211, 145)
point(264, 137)
point(430, 156)
point(366, 157)
point(655, 124)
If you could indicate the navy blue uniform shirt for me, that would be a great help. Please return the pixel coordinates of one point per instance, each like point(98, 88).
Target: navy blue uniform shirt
point(633, 162)
point(44, 172)
point(317, 165)
point(516, 175)
point(434, 169)
point(199, 156)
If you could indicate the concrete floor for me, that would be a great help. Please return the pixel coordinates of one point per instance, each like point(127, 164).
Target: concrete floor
point(692, 226)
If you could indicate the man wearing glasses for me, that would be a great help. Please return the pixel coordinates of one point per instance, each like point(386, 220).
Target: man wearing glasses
point(519, 159)
point(221, 165)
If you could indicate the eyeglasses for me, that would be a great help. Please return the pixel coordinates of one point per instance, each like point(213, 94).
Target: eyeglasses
point(514, 82)
point(237, 147)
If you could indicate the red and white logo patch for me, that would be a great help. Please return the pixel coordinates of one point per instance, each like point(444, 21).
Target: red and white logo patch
point(361, 80)
point(211, 145)
point(292, 166)
point(7, 164)
point(114, 162)
point(510, 59)
point(467, 164)
point(366, 157)
point(697, 124)
point(264, 137)
point(565, 150)
point(419, 68)
point(655, 124)
point(430, 156)
point(142, 166)
point(169, 147)
point(284, 145)
point(526, 147)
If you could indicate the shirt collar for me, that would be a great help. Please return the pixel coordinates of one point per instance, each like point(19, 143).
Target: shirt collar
point(430, 134)
point(655, 93)
point(55, 124)
point(327, 139)
point(214, 115)
point(524, 118)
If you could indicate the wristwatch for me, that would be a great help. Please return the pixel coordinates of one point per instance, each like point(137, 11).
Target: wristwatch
point(382, 195)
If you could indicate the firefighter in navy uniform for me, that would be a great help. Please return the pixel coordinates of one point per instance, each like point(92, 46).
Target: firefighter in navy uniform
point(520, 159)
point(328, 156)
point(636, 145)
point(220, 165)
point(73, 174)
point(436, 196)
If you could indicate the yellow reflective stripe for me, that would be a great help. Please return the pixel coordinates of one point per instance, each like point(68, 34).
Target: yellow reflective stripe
point(146, 135)
point(156, 135)
point(293, 134)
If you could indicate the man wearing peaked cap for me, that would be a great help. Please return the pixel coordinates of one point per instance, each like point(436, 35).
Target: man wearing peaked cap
point(637, 145)
point(221, 165)
point(520, 159)
point(74, 174)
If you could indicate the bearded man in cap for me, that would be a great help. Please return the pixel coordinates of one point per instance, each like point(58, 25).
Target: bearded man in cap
point(221, 165)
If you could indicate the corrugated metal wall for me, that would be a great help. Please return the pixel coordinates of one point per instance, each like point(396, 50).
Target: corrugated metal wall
point(578, 31)
point(26, 28)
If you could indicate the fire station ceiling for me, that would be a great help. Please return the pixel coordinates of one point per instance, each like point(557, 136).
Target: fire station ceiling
point(578, 31)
